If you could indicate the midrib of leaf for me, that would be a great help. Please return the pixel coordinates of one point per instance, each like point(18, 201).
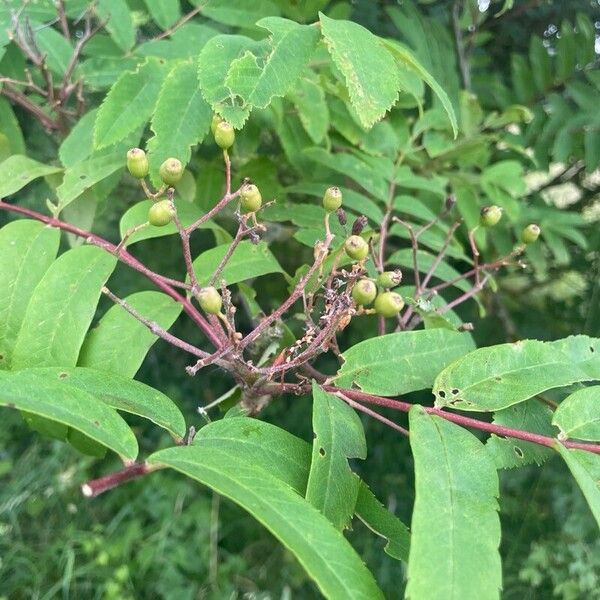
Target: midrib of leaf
point(58, 320)
point(16, 285)
point(282, 515)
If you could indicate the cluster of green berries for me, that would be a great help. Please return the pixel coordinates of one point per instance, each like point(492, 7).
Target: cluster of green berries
point(490, 215)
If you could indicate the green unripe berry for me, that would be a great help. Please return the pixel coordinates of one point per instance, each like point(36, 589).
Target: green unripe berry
point(224, 135)
point(389, 279)
point(137, 163)
point(160, 213)
point(171, 171)
point(389, 304)
point(215, 121)
point(490, 215)
point(332, 200)
point(530, 234)
point(364, 292)
point(356, 248)
point(210, 300)
point(250, 198)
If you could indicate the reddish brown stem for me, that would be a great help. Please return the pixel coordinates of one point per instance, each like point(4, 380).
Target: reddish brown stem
point(95, 487)
point(518, 434)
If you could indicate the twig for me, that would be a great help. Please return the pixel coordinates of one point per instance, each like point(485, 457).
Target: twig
point(62, 19)
point(95, 487)
point(155, 328)
point(373, 414)
point(179, 23)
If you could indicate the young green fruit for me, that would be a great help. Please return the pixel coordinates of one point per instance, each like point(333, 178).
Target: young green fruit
point(210, 300)
point(215, 121)
point(171, 171)
point(389, 279)
point(250, 198)
point(490, 215)
point(137, 163)
point(356, 248)
point(224, 135)
point(389, 304)
point(332, 200)
point(160, 213)
point(530, 234)
point(364, 292)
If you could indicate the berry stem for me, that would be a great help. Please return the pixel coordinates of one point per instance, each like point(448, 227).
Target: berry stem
point(154, 327)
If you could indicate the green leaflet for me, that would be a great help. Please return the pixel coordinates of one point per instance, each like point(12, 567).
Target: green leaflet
point(50, 399)
point(531, 415)
point(409, 60)
point(290, 48)
point(61, 309)
point(455, 525)
point(164, 12)
point(56, 48)
point(238, 13)
point(247, 261)
point(322, 550)
point(425, 260)
point(309, 99)
point(214, 62)
point(129, 103)
point(270, 448)
point(585, 467)
point(119, 22)
point(499, 376)
point(79, 144)
point(369, 70)
point(380, 521)
point(578, 415)
point(176, 131)
point(399, 363)
point(10, 127)
point(120, 393)
point(27, 249)
point(339, 435)
point(119, 342)
point(85, 174)
point(138, 214)
point(18, 170)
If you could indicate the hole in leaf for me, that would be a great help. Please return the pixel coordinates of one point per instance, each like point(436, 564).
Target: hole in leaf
point(82, 177)
point(498, 378)
point(322, 451)
point(592, 349)
point(519, 452)
point(455, 391)
point(442, 394)
point(63, 375)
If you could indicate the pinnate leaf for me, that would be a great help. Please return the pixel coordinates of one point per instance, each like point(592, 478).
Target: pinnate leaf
point(499, 376)
point(68, 406)
point(369, 70)
point(455, 525)
point(27, 249)
point(119, 343)
point(129, 103)
point(578, 415)
point(61, 309)
point(399, 363)
point(338, 436)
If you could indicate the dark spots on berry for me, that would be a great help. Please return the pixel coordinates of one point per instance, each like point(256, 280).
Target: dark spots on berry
point(322, 451)
point(519, 452)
